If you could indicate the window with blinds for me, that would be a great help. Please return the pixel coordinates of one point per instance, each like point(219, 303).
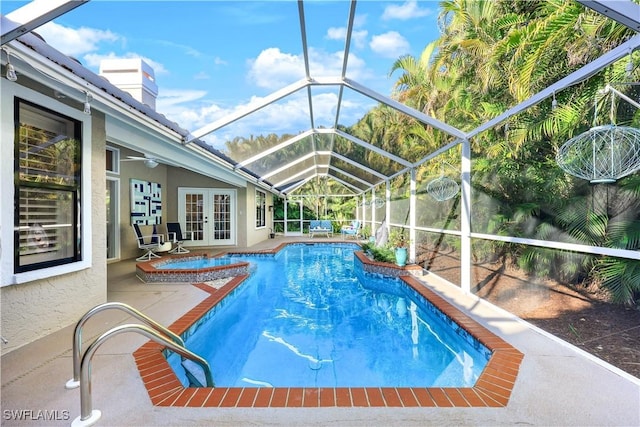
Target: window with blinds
point(261, 199)
point(47, 196)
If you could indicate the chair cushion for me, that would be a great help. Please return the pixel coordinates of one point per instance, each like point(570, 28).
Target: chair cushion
point(317, 224)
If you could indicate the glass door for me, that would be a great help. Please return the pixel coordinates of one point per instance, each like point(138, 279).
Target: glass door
point(222, 218)
point(209, 214)
point(192, 219)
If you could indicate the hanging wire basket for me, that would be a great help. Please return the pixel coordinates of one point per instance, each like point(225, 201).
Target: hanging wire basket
point(603, 154)
point(442, 188)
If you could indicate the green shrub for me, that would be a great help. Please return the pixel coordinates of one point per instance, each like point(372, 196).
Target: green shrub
point(379, 253)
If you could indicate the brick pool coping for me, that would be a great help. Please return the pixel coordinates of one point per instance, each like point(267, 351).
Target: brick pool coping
point(492, 389)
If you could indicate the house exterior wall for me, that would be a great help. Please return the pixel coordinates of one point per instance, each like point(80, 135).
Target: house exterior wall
point(137, 170)
point(36, 303)
point(178, 177)
point(255, 234)
point(34, 307)
point(170, 178)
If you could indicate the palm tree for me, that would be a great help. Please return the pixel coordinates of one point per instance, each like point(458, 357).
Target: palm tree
point(492, 55)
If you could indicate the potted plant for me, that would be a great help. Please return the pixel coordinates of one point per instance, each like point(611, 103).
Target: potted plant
point(400, 246)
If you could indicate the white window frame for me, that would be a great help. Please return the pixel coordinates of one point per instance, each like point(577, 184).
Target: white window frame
point(115, 154)
point(116, 207)
point(7, 191)
point(261, 206)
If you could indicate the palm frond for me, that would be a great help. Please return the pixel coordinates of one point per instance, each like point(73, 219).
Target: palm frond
point(621, 277)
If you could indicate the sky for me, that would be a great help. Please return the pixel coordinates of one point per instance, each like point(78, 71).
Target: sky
point(212, 58)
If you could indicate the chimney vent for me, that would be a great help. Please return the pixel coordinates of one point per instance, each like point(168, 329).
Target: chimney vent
point(133, 76)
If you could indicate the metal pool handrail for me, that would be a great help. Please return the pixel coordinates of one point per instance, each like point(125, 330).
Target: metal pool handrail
point(77, 334)
point(88, 416)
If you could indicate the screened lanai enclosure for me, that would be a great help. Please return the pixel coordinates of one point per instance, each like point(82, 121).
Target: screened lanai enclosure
point(512, 139)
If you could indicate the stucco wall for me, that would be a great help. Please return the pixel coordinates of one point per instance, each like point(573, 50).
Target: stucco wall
point(178, 177)
point(255, 234)
point(35, 309)
point(171, 178)
point(137, 170)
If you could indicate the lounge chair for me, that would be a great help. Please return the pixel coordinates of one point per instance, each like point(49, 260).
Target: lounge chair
point(175, 236)
point(318, 226)
point(151, 244)
point(352, 229)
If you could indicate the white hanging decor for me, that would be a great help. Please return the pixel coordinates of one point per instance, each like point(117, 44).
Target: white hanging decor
point(603, 154)
point(442, 188)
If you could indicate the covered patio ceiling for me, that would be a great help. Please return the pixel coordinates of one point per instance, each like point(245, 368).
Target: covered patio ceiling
point(322, 149)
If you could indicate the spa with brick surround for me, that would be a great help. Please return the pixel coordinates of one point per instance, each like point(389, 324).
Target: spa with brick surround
point(152, 271)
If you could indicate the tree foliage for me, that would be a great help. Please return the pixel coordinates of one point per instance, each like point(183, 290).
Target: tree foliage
point(492, 55)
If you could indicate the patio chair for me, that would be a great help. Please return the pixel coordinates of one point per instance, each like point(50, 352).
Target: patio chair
point(320, 226)
point(351, 230)
point(151, 244)
point(175, 236)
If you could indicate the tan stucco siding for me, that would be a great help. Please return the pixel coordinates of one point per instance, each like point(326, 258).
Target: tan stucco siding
point(37, 308)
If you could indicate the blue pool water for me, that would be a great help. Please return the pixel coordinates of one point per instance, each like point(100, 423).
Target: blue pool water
point(308, 317)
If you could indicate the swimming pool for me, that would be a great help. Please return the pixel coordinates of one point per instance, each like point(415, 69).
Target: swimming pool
point(309, 317)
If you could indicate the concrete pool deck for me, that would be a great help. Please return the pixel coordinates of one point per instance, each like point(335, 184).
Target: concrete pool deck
point(558, 384)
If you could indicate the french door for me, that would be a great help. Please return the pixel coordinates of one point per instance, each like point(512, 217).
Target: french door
point(209, 214)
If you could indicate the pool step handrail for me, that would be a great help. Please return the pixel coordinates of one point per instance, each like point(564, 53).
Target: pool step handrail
point(89, 416)
point(77, 334)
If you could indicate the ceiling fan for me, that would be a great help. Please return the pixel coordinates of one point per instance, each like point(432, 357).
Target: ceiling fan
point(150, 162)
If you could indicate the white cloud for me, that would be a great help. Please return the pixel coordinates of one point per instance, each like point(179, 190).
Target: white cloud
point(189, 108)
point(83, 42)
point(202, 75)
point(274, 69)
point(337, 33)
point(75, 42)
point(408, 10)
point(172, 97)
point(360, 20)
point(358, 37)
point(389, 45)
point(289, 115)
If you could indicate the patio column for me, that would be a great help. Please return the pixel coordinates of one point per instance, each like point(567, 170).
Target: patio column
point(387, 209)
point(412, 216)
point(373, 211)
point(465, 215)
